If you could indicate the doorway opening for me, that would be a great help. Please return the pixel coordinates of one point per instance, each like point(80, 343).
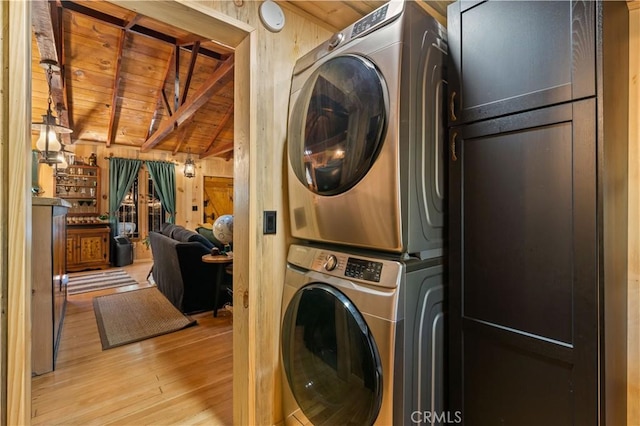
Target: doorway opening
point(217, 198)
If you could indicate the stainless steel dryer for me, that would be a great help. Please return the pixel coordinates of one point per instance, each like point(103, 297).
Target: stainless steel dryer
point(362, 338)
point(365, 136)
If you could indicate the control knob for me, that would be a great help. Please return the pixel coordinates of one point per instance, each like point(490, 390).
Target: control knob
point(330, 262)
point(335, 41)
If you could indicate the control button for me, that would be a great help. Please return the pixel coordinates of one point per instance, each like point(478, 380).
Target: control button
point(331, 262)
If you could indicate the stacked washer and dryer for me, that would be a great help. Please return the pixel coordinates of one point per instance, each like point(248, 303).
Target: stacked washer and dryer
point(363, 303)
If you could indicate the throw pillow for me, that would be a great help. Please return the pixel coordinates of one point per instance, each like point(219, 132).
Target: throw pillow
point(208, 234)
point(187, 236)
point(195, 237)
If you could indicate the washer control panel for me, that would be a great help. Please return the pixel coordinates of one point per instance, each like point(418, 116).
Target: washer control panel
point(348, 266)
point(363, 269)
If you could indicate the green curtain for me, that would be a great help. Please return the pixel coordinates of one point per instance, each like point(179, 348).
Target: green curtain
point(163, 175)
point(122, 173)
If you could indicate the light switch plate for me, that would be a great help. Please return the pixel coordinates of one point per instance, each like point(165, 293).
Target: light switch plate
point(269, 222)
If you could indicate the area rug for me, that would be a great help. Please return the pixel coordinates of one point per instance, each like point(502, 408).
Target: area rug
point(136, 315)
point(83, 282)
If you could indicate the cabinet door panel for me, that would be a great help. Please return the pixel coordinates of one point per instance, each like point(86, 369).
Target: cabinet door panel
point(91, 249)
point(506, 383)
point(523, 261)
point(71, 246)
point(494, 74)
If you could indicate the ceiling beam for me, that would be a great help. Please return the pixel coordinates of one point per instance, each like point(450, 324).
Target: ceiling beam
point(184, 133)
point(221, 125)
point(138, 29)
point(161, 97)
point(192, 65)
point(116, 88)
point(220, 77)
point(176, 79)
point(218, 150)
point(46, 41)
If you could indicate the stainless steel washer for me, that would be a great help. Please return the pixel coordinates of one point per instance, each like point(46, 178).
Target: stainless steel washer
point(362, 338)
point(365, 136)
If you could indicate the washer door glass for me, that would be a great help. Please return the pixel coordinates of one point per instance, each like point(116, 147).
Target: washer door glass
point(330, 359)
point(337, 125)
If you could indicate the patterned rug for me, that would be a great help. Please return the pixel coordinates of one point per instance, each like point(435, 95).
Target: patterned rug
point(136, 315)
point(83, 282)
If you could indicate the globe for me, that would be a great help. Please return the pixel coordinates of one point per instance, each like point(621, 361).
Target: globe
point(223, 228)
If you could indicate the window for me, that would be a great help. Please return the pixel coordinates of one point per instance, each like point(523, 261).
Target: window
point(141, 210)
point(156, 214)
point(128, 213)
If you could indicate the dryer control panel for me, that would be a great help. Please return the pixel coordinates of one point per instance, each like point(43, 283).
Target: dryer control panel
point(378, 18)
point(369, 21)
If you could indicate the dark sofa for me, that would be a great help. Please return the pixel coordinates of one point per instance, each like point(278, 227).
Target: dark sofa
point(179, 271)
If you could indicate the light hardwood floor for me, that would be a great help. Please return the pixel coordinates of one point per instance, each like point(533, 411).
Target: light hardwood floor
point(176, 379)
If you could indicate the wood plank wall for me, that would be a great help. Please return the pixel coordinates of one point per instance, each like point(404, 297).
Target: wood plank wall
point(272, 57)
point(633, 401)
point(15, 213)
point(264, 62)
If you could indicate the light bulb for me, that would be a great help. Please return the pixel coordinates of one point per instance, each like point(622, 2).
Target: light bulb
point(62, 165)
point(41, 144)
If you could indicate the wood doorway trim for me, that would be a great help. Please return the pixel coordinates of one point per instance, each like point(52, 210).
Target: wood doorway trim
point(15, 164)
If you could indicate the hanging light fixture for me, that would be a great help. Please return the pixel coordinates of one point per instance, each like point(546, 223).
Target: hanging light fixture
point(48, 143)
point(63, 164)
point(189, 165)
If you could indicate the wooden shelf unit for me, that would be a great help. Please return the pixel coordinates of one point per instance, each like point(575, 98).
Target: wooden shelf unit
point(80, 186)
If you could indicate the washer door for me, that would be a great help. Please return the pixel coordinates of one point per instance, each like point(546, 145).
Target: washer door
point(337, 124)
point(330, 358)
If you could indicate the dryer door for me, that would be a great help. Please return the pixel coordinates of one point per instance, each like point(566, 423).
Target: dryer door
point(330, 358)
point(337, 124)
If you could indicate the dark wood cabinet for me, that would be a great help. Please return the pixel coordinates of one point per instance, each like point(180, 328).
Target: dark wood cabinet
point(538, 227)
point(48, 281)
point(87, 247)
point(512, 56)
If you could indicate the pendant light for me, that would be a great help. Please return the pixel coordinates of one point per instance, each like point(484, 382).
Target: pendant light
point(48, 143)
point(63, 164)
point(189, 165)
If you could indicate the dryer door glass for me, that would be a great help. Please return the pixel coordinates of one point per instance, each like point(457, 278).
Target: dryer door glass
point(337, 125)
point(330, 359)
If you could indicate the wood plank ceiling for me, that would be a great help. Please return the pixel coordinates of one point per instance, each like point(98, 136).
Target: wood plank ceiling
point(118, 84)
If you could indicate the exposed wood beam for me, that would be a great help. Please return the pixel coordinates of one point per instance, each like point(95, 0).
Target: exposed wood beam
point(138, 29)
point(154, 119)
point(183, 135)
point(46, 41)
point(63, 107)
point(161, 97)
point(176, 79)
point(116, 89)
point(221, 125)
point(166, 102)
point(133, 22)
point(221, 76)
point(192, 65)
point(218, 150)
point(58, 34)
